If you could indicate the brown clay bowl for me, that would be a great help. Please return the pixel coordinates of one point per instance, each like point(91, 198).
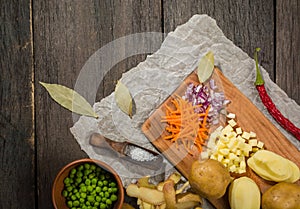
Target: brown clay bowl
point(59, 201)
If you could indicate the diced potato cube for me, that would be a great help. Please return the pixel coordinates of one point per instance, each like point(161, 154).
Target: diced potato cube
point(213, 157)
point(232, 135)
point(232, 156)
point(204, 155)
point(226, 161)
point(241, 170)
point(238, 131)
point(220, 157)
point(232, 168)
point(232, 143)
point(243, 165)
point(231, 115)
point(224, 151)
point(241, 139)
point(260, 144)
point(232, 123)
point(246, 135)
point(227, 130)
point(224, 139)
point(252, 134)
point(253, 142)
point(221, 145)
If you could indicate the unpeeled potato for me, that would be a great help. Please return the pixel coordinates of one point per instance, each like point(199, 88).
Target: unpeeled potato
point(282, 196)
point(209, 178)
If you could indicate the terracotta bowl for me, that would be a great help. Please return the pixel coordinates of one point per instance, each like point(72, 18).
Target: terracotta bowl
point(59, 201)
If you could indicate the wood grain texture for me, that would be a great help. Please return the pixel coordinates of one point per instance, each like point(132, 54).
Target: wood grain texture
point(248, 117)
point(17, 148)
point(288, 47)
point(67, 33)
point(243, 21)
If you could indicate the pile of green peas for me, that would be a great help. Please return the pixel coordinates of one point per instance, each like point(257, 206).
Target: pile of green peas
point(90, 187)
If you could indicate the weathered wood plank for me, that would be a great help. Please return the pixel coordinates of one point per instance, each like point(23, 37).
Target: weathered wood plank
point(249, 24)
point(67, 33)
point(17, 144)
point(288, 47)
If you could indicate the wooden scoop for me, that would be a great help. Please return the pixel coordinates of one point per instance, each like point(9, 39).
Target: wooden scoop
point(128, 151)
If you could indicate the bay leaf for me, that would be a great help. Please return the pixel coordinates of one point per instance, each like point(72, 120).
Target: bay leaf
point(205, 67)
point(124, 99)
point(69, 99)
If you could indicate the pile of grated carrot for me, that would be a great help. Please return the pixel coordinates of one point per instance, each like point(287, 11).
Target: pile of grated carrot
point(184, 125)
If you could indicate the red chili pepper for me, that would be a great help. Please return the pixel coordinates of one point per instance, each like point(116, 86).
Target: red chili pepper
point(267, 101)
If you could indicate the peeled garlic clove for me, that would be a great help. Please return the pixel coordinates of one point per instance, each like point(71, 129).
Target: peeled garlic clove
point(244, 193)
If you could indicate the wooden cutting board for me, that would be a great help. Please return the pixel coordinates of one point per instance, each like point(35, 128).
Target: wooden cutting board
point(248, 117)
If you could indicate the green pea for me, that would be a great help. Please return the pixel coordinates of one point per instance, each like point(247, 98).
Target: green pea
point(78, 180)
point(65, 193)
point(113, 197)
point(104, 188)
point(106, 194)
point(98, 189)
point(76, 203)
point(103, 199)
point(96, 204)
point(98, 198)
point(105, 182)
point(102, 206)
point(81, 200)
point(87, 166)
point(83, 189)
point(79, 174)
point(93, 167)
point(73, 197)
point(86, 172)
point(77, 195)
point(70, 204)
point(91, 198)
point(83, 195)
point(94, 181)
point(67, 180)
point(80, 167)
point(114, 190)
point(87, 182)
point(108, 201)
point(112, 184)
point(73, 171)
point(100, 183)
point(91, 175)
point(89, 188)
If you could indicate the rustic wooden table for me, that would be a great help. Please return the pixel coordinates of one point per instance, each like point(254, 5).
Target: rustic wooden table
point(51, 40)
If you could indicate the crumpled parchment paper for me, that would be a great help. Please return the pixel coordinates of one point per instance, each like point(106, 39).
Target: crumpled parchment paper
point(153, 80)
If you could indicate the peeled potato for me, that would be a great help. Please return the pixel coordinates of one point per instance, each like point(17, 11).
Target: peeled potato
point(209, 178)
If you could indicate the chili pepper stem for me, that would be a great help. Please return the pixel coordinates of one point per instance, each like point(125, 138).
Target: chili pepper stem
point(259, 79)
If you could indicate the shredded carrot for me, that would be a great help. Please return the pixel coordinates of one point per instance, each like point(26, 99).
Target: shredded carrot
point(185, 126)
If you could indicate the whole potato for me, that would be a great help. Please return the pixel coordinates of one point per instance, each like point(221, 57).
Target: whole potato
point(282, 196)
point(209, 178)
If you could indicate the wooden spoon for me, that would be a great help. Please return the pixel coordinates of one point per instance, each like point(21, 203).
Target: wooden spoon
point(128, 151)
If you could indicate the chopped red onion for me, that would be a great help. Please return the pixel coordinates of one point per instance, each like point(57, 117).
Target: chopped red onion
point(206, 95)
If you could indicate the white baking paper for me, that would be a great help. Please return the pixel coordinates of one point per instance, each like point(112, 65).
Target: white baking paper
point(153, 80)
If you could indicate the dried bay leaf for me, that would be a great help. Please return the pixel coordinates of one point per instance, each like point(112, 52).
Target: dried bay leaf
point(124, 99)
point(205, 67)
point(69, 99)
